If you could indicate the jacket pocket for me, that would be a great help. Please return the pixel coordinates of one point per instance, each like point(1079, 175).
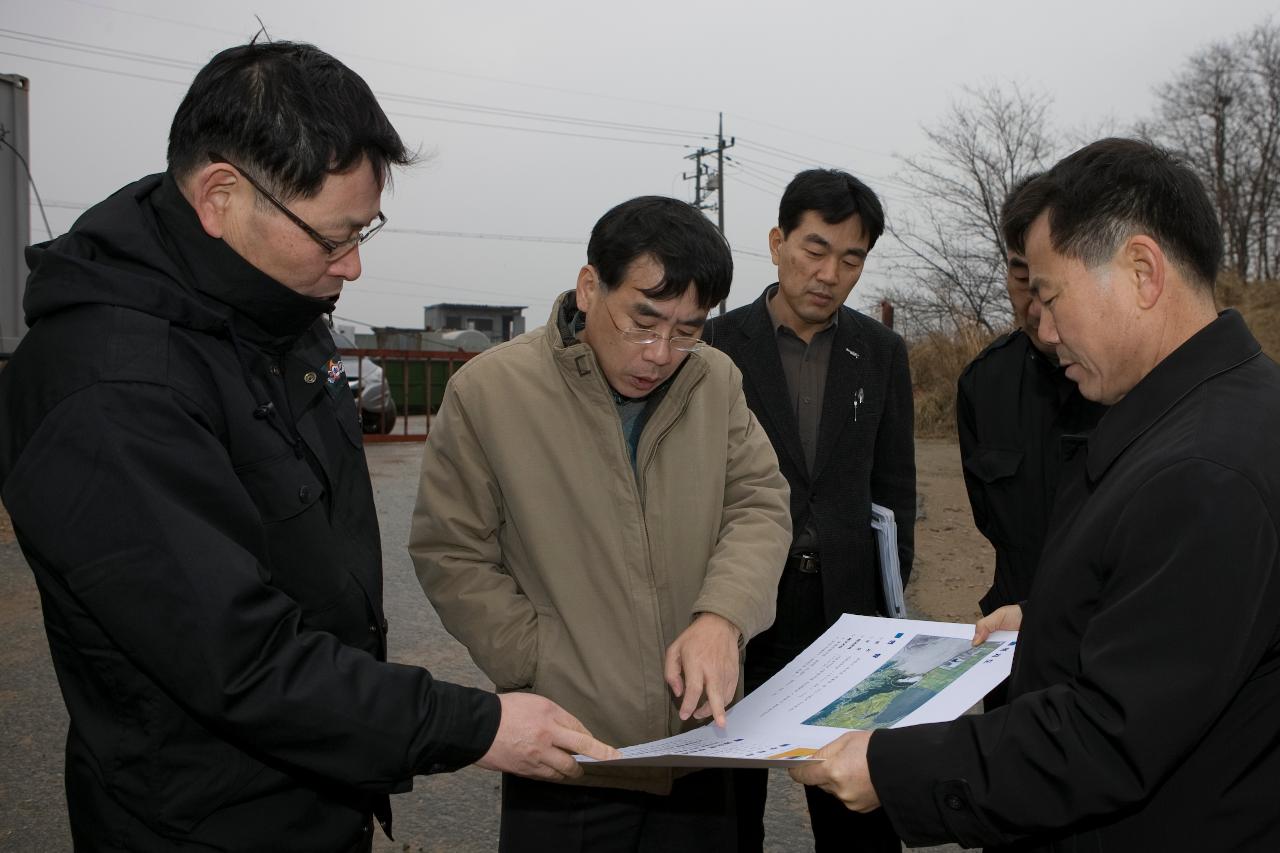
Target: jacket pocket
point(299, 553)
point(989, 464)
point(550, 631)
point(282, 487)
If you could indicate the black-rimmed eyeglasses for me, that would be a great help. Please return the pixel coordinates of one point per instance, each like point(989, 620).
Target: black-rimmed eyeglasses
point(334, 249)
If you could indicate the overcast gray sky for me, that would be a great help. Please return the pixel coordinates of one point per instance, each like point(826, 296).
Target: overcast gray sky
point(541, 116)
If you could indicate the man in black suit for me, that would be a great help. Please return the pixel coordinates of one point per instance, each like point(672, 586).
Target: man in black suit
point(833, 391)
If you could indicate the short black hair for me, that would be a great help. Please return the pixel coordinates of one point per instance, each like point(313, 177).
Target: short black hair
point(1011, 224)
point(835, 196)
point(1115, 188)
point(674, 234)
point(290, 111)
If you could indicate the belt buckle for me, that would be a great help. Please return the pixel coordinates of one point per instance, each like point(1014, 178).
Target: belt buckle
point(806, 563)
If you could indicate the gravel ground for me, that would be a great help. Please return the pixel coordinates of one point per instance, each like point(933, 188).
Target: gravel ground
point(456, 813)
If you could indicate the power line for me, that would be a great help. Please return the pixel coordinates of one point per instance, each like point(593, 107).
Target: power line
point(85, 47)
point(757, 174)
point(475, 235)
point(66, 205)
point(840, 142)
point(137, 56)
point(440, 287)
point(771, 151)
point(417, 67)
point(539, 130)
point(528, 115)
point(538, 116)
point(423, 232)
point(772, 193)
point(451, 105)
point(3, 133)
point(787, 155)
point(174, 21)
point(390, 113)
point(92, 68)
point(788, 172)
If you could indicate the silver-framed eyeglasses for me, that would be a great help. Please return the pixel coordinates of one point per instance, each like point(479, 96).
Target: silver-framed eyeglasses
point(645, 337)
point(335, 250)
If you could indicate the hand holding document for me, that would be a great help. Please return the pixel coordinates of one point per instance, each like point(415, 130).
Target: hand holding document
point(863, 673)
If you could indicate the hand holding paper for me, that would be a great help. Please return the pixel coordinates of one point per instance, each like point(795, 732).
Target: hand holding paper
point(843, 772)
point(537, 738)
point(1007, 618)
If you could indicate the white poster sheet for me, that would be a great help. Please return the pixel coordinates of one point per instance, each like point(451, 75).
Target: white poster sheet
point(864, 673)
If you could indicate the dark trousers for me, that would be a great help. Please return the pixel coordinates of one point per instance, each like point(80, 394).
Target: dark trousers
point(800, 621)
point(697, 817)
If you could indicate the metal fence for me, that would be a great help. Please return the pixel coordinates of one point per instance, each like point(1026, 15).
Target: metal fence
point(414, 382)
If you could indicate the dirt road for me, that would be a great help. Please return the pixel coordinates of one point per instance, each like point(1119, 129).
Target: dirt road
point(954, 563)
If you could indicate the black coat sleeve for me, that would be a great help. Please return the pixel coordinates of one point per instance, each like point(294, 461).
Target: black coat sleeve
point(1185, 619)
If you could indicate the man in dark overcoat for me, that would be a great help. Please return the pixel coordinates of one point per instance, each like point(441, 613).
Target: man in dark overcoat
point(181, 457)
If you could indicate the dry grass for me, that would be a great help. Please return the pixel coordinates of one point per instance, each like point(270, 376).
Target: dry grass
point(1259, 302)
point(938, 360)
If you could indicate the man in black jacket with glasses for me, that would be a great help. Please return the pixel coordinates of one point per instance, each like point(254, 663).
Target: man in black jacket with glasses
point(182, 460)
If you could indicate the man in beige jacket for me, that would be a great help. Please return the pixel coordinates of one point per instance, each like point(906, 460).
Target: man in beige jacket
point(601, 521)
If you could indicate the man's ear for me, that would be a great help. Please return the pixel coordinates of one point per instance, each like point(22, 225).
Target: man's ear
point(588, 287)
point(212, 191)
point(1148, 267)
point(775, 243)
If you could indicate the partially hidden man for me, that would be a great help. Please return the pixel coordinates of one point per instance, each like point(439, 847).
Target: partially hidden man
point(182, 461)
point(832, 389)
point(1018, 417)
point(601, 521)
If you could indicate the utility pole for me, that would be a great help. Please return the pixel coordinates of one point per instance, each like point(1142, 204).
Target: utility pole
point(714, 180)
point(15, 207)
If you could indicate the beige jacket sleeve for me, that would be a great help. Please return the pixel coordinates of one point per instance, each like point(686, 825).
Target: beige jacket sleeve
point(456, 555)
point(755, 528)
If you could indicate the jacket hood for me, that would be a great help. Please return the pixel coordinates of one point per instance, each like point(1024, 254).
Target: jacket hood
point(144, 248)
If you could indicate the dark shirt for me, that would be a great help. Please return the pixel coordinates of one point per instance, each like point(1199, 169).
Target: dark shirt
point(1014, 411)
point(805, 367)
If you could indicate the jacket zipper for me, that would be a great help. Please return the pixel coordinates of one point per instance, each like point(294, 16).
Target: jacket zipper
point(640, 474)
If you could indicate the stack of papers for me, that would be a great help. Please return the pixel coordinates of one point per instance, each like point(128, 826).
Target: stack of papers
point(886, 530)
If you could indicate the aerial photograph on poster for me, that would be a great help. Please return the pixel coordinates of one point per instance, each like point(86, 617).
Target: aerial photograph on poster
point(913, 676)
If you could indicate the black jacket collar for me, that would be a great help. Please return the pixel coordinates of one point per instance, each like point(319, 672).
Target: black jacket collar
point(267, 312)
point(1218, 347)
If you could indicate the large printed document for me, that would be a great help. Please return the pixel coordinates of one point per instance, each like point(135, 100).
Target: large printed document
point(865, 672)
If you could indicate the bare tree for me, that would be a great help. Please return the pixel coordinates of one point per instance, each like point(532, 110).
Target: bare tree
point(950, 260)
point(1222, 113)
point(1264, 67)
